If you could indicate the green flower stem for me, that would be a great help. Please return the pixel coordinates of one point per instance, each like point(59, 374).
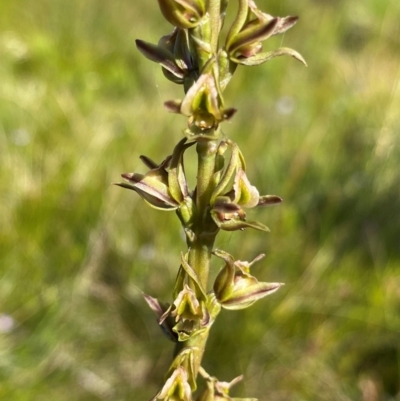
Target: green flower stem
point(200, 248)
point(199, 345)
point(206, 151)
point(215, 19)
point(199, 260)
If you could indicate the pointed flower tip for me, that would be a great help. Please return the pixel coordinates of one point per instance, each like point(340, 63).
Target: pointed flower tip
point(173, 106)
point(229, 113)
point(269, 200)
point(127, 176)
point(139, 43)
point(125, 185)
point(148, 162)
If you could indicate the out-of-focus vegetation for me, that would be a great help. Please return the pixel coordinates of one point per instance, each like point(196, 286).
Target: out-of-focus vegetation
point(78, 105)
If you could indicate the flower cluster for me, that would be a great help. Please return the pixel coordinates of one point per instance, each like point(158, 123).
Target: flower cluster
point(191, 56)
point(165, 187)
point(187, 56)
point(193, 311)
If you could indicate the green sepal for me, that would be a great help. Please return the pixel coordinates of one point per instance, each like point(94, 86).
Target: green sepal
point(203, 95)
point(228, 174)
point(219, 162)
point(192, 274)
point(187, 306)
point(261, 58)
point(158, 202)
point(239, 22)
point(197, 6)
point(236, 223)
point(246, 195)
point(181, 13)
point(177, 183)
point(224, 282)
point(152, 187)
point(177, 387)
point(203, 103)
point(226, 69)
point(187, 212)
point(160, 55)
point(185, 360)
point(213, 306)
point(179, 281)
point(252, 33)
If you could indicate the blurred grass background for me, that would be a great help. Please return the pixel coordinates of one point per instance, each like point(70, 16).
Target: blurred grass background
point(78, 105)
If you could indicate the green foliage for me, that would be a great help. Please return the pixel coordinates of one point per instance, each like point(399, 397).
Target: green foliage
point(76, 101)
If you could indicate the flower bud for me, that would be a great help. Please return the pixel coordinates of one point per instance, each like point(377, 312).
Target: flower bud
point(183, 13)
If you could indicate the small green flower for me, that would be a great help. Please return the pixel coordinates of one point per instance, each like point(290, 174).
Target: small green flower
point(251, 28)
point(233, 192)
point(176, 388)
point(164, 187)
point(152, 186)
point(203, 104)
point(235, 287)
point(175, 53)
point(219, 391)
point(191, 307)
point(187, 306)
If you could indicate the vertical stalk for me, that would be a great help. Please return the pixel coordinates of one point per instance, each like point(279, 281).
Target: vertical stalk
point(199, 259)
point(190, 52)
point(201, 247)
point(215, 19)
point(206, 151)
point(200, 252)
